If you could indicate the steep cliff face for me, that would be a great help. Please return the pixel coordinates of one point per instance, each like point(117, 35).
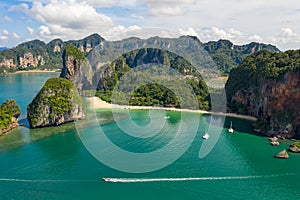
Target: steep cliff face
point(29, 60)
point(267, 85)
point(37, 54)
point(58, 102)
point(76, 68)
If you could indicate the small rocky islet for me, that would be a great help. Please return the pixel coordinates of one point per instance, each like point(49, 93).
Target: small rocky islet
point(9, 113)
point(58, 101)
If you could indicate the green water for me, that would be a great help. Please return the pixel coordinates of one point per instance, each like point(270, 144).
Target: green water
point(53, 163)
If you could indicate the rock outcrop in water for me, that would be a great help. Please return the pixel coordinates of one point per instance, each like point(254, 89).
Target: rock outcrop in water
point(9, 113)
point(58, 102)
point(267, 85)
point(282, 154)
point(76, 68)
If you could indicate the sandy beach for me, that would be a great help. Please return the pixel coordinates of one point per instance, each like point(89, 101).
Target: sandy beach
point(35, 71)
point(97, 103)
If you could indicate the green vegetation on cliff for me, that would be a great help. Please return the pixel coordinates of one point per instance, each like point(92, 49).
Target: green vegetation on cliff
point(228, 56)
point(55, 104)
point(71, 50)
point(42, 55)
point(157, 82)
point(9, 111)
point(266, 85)
point(260, 66)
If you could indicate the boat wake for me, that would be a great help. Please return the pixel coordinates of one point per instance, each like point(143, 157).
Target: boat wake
point(143, 180)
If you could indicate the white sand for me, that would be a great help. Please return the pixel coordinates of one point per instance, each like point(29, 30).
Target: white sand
point(97, 103)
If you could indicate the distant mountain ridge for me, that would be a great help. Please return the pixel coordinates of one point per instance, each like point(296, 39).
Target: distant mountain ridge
point(3, 48)
point(37, 54)
point(224, 53)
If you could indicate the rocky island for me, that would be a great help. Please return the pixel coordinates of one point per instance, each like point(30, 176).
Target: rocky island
point(267, 85)
point(9, 113)
point(59, 102)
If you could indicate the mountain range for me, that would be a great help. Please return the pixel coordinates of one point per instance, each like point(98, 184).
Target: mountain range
point(37, 54)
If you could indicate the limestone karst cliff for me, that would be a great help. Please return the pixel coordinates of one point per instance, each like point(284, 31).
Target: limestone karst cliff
point(267, 86)
point(57, 102)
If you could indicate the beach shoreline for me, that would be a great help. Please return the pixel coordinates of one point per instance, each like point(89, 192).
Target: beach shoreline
point(36, 71)
point(98, 103)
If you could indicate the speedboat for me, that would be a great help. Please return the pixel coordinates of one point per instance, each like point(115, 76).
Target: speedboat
point(230, 130)
point(106, 179)
point(206, 136)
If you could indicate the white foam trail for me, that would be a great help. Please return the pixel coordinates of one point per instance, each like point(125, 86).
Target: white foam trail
point(141, 180)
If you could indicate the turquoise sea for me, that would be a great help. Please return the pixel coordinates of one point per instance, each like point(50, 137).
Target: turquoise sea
point(53, 163)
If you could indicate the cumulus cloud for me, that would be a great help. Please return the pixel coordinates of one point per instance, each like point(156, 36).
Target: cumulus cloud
point(66, 18)
point(287, 37)
point(236, 36)
point(189, 31)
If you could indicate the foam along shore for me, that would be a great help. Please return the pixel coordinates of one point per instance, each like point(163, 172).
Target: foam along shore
point(97, 103)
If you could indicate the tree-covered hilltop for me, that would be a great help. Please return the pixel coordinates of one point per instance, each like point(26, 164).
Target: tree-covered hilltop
point(224, 53)
point(261, 66)
point(157, 83)
point(266, 85)
point(9, 113)
point(228, 56)
point(57, 102)
point(37, 54)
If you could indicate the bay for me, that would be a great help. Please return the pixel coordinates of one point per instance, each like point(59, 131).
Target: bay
point(53, 163)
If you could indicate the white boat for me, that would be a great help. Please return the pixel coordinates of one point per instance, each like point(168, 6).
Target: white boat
point(230, 130)
point(106, 179)
point(205, 136)
point(166, 117)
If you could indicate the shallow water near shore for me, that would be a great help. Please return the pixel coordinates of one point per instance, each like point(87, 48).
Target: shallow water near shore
point(53, 163)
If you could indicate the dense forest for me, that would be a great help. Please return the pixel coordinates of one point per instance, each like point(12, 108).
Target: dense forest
point(168, 81)
point(260, 66)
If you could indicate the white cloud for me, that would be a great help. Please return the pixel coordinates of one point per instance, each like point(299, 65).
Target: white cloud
point(30, 30)
point(168, 7)
point(287, 38)
point(189, 31)
point(3, 38)
point(167, 11)
point(101, 3)
point(45, 32)
point(235, 36)
point(21, 7)
point(8, 19)
point(66, 19)
point(15, 36)
point(5, 32)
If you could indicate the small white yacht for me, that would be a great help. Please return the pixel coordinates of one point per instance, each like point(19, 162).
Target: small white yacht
point(205, 136)
point(230, 130)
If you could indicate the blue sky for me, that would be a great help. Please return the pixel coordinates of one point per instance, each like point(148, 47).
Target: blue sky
point(240, 21)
